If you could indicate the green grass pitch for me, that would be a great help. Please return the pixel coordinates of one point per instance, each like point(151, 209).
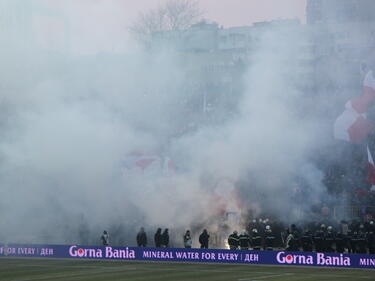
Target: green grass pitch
point(21, 269)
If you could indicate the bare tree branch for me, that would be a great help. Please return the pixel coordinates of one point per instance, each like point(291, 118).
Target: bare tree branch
point(173, 15)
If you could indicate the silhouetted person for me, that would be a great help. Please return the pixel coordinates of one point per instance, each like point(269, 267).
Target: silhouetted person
point(165, 238)
point(203, 239)
point(142, 238)
point(256, 240)
point(157, 238)
point(244, 240)
point(330, 240)
point(233, 240)
point(340, 243)
point(349, 243)
point(320, 239)
point(371, 238)
point(269, 239)
point(361, 240)
point(354, 242)
point(289, 243)
point(296, 242)
point(307, 241)
point(187, 239)
point(105, 238)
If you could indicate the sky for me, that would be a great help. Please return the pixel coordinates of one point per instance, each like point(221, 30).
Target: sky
point(102, 23)
point(225, 12)
point(244, 12)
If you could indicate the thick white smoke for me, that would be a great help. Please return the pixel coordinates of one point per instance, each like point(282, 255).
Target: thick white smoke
point(69, 122)
point(268, 148)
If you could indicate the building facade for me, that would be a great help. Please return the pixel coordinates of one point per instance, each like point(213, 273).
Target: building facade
point(340, 11)
point(343, 33)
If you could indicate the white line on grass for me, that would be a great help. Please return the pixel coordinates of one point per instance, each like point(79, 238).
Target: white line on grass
point(314, 275)
point(265, 277)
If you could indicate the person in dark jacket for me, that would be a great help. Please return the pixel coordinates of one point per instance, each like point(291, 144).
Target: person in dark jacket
point(362, 240)
point(269, 239)
point(244, 240)
point(165, 238)
point(307, 241)
point(296, 242)
point(348, 241)
point(233, 240)
point(256, 240)
point(187, 239)
point(320, 239)
point(289, 241)
point(203, 239)
point(105, 238)
point(142, 238)
point(340, 243)
point(292, 242)
point(371, 238)
point(157, 238)
point(330, 240)
point(354, 242)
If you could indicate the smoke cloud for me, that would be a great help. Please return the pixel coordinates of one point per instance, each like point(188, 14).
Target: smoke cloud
point(72, 124)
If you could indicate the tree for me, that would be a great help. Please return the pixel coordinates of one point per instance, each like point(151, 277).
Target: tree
point(173, 15)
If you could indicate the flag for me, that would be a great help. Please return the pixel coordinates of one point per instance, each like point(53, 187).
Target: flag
point(352, 124)
point(371, 168)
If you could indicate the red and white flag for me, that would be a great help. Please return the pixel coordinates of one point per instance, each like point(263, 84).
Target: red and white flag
point(371, 168)
point(352, 124)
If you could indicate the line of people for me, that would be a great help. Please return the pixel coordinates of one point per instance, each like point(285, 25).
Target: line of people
point(161, 239)
point(255, 241)
point(204, 239)
point(328, 240)
point(356, 238)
